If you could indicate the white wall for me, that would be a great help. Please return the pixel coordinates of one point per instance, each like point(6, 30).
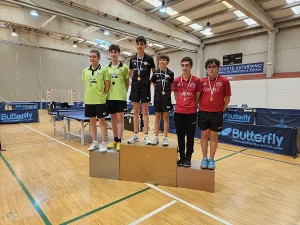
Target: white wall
point(254, 49)
point(288, 50)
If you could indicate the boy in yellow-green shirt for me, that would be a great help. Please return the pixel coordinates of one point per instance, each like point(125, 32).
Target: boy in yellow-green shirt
point(96, 85)
point(118, 74)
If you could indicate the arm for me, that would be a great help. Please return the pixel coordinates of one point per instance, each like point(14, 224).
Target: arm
point(226, 102)
point(130, 73)
point(106, 84)
point(197, 98)
point(127, 83)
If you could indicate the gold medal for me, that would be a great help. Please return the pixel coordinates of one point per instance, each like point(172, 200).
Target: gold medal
point(139, 78)
point(211, 99)
point(163, 93)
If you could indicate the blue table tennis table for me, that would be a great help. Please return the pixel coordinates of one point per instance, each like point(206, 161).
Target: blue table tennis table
point(76, 115)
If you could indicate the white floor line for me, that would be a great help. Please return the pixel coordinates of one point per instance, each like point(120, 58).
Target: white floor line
point(190, 205)
point(56, 140)
point(153, 213)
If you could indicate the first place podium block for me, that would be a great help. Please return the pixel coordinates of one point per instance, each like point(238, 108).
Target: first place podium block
point(196, 178)
point(148, 164)
point(105, 164)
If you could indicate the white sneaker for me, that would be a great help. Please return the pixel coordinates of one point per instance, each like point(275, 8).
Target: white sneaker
point(155, 141)
point(165, 141)
point(103, 147)
point(147, 140)
point(93, 146)
point(133, 139)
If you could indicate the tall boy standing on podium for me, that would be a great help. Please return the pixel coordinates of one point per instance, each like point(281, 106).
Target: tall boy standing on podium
point(96, 85)
point(140, 67)
point(162, 80)
point(187, 90)
point(213, 101)
point(118, 74)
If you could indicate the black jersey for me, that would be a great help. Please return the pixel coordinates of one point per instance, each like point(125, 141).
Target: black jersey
point(162, 81)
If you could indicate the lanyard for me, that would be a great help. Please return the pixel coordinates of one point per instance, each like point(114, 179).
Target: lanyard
point(139, 68)
point(163, 81)
point(212, 90)
point(185, 92)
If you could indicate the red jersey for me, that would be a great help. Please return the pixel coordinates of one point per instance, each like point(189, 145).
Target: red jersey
point(186, 94)
point(214, 102)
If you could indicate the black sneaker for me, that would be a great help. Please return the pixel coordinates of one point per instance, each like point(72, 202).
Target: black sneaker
point(187, 163)
point(180, 162)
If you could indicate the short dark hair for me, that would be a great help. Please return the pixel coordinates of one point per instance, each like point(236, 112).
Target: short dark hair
point(187, 59)
point(163, 56)
point(212, 61)
point(142, 39)
point(114, 47)
point(95, 51)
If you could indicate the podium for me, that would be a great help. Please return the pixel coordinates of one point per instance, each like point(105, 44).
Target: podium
point(105, 164)
point(148, 164)
point(196, 178)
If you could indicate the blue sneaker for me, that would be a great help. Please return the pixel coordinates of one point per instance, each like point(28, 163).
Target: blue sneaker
point(204, 163)
point(211, 164)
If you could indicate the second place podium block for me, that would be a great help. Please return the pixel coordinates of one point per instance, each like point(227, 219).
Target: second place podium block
point(148, 164)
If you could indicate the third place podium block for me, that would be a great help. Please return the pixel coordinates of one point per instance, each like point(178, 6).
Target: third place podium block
point(148, 164)
point(196, 178)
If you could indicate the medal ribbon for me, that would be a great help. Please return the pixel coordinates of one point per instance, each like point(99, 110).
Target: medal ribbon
point(212, 90)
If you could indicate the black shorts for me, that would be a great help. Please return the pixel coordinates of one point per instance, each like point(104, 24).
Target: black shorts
point(98, 110)
point(210, 120)
point(143, 96)
point(162, 107)
point(116, 106)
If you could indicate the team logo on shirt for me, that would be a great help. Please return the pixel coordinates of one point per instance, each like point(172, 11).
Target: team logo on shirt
point(121, 70)
point(192, 85)
point(204, 84)
point(218, 84)
point(98, 73)
point(179, 85)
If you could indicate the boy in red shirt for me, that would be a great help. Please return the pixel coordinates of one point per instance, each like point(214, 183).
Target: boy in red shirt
point(214, 99)
point(187, 90)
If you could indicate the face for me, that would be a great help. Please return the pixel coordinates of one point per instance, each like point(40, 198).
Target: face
point(140, 46)
point(94, 59)
point(162, 63)
point(186, 67)
point(212, 70)
point(114, 55)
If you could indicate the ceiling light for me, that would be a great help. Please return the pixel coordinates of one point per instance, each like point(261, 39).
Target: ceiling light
point(155, 3)
point(91, 42)
point(106, 32)
point(239, 13)
point(163, 7)
point(158, 45)
point(296, 9)
point(14, 33)
point(207, 32)
point(195, 26)
point(183, 19)
point(171, 11)
point(34, 12)
point(126, 53)
point(292, 1)
point(227, 4)
point(249, 21)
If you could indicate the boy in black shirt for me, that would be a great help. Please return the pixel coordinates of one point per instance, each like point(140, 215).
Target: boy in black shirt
point(162, 80)
point(140, 67)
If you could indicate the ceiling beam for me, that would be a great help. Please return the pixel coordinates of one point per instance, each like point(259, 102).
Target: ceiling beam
point(287, 18)
point(221, 23)
point(168, 4)
point(281, 7)
point(135, 2)
point(253, 11)
point(194, 9)
point(48, 21)
point(220, 13)
point(161, 32)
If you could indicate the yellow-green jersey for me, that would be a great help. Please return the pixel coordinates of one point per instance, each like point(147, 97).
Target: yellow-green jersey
point(94, 85)
point(117, 77)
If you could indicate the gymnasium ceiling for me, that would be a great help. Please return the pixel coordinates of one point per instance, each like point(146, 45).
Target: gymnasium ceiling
point(184, 26)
